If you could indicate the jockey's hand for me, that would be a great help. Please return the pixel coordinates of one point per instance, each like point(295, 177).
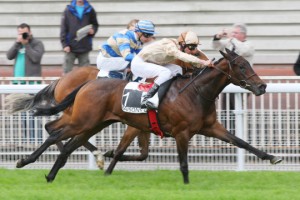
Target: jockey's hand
point(208, 63)
point(127, 70)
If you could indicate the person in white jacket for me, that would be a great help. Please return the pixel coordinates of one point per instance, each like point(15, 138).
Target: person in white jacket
point(236, 39)
point(156, 60)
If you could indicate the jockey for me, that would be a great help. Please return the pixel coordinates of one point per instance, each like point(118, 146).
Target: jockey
point(198, 53)
point(118, 51)
point(155, 60)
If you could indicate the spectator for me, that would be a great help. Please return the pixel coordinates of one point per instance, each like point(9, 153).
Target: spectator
point(297, 66)
point(27, 53)
point(236, 39)
point(118, 51)
point(79, 14)
point(131, 24)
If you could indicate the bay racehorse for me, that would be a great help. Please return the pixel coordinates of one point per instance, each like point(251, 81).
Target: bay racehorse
point(96, 105)
point(56, 91)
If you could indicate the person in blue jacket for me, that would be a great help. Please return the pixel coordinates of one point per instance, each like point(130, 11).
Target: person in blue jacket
point(79, 14)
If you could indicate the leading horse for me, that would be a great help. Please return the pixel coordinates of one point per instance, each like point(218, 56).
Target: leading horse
point(96, 105)
point(56, 91)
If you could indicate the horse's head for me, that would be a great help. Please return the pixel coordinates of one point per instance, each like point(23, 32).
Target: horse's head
point(241, 73)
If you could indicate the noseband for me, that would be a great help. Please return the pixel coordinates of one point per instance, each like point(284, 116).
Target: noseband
point(242, 83)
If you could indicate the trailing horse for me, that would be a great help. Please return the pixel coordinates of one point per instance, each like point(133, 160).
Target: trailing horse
point(56, 91)
point(96, 105)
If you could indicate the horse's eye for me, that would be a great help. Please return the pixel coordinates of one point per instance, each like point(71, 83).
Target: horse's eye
point(242, 68)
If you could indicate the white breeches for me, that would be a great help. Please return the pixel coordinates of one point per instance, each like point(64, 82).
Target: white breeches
point(144, 69)
point(105, 64)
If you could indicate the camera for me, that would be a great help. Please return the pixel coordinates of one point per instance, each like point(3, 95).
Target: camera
point(25, 36)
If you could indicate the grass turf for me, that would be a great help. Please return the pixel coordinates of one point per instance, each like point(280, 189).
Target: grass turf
point(160, 184)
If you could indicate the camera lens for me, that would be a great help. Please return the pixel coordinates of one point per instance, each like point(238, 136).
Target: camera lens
point(25, 36)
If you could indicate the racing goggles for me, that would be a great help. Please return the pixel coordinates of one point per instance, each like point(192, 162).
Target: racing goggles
point(147, 35)
point(191, 47)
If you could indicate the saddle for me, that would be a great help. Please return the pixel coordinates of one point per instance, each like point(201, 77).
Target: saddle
point(133, 96)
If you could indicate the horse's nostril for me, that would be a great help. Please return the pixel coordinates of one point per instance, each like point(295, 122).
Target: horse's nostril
point(263, 87)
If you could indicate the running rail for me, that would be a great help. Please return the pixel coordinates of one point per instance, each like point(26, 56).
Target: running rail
point(271, 88)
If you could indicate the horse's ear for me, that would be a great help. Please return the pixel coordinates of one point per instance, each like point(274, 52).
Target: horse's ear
point(224, 54)
point(228, 51)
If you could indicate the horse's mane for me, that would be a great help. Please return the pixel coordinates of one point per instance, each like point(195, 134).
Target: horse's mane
point(218, 61)
point(198, 70)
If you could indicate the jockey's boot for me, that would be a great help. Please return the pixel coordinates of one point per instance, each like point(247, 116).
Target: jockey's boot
point(146, 103)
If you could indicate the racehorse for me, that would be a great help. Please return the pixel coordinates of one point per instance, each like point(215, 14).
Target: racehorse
point(56, 91)
point(182, 113)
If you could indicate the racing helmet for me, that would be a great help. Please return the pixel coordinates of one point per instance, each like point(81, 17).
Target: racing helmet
point(145, 26)
point(188, 37)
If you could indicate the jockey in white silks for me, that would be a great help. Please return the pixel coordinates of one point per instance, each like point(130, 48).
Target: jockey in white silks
point(155, 60)
point(118, 51)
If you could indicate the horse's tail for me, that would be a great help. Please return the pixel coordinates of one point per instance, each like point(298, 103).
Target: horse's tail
point(23, 102)
point(52, 110)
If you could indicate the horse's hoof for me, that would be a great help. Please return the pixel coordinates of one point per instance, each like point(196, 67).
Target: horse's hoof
point(19, 163)
point(106, 173)
point(49, 180)
point(100, 164)
point(109, 154)
point(275, 160)
point(99, 159)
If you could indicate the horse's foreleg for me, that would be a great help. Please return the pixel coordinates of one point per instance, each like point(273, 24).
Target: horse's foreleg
point(143, 139)
point(182, 148)
point(242, 144)
point(218, 131)
point(97, 153)
point(36, 154)
point(128, 137)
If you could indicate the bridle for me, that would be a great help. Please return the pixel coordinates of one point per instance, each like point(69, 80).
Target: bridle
point(242, 83)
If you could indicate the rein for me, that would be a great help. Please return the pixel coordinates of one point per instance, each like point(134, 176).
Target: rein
point(242, 83)
point(191, 81)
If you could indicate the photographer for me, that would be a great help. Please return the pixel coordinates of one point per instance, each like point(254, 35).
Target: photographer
point(233, 39)
point(27, 52)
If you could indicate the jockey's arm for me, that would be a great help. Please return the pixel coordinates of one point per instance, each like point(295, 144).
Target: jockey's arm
point(124, 48)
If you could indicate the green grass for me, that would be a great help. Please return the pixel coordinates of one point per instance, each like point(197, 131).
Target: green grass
point(156, 185)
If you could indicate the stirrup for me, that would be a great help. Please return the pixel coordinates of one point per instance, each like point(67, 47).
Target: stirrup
point(143, 105)
point(151, 104)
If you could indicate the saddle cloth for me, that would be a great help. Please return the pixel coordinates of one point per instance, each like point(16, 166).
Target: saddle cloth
point(132, 97)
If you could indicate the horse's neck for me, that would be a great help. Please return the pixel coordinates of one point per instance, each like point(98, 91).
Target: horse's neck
point(211, 84)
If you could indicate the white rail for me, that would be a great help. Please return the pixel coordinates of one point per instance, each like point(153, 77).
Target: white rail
point(271, 88)
point(269, 122)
